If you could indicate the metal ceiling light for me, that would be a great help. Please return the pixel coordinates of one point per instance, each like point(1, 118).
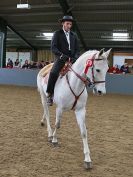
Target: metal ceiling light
point(46, 36)
point(120, 35)
point(49, 35)
point(23, 5)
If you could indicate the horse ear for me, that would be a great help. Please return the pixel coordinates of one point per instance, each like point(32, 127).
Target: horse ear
point(101, 52)
point(107, 53)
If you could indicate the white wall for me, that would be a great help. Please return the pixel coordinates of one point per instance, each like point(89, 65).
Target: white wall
point(24, 56)
point(119, 60)
point(12, 55)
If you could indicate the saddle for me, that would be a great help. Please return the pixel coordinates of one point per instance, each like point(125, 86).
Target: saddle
point(44, 71)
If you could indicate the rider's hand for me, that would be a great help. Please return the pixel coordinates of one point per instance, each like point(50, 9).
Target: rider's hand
point(73, 60)
point(64, 57)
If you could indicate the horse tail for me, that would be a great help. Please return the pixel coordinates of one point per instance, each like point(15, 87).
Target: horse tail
point(46, 115)
point(39, 80)
point(41, 90)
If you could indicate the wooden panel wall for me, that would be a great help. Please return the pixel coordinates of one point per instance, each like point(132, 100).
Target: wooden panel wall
point(45, 55)
point(122, 54)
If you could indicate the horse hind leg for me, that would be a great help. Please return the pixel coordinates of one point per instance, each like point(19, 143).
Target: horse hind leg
point(46, 115)
point(80, 116)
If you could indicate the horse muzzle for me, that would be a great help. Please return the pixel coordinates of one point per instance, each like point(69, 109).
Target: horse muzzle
point(98, 91)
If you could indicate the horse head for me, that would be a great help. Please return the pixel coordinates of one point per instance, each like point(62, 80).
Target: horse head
point(97, 69)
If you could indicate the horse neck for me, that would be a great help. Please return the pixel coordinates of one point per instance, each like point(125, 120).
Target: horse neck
point(79, 67)
point(76, 83)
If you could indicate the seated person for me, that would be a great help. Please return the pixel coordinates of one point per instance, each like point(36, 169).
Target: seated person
point(47, 62)
point(26, 65)
point(9, 63)
point(17, 63)
point(32, 65)
point(132, 69)
point(43, 63)
point(39, 65)
point(125, 68)
point(115, 70)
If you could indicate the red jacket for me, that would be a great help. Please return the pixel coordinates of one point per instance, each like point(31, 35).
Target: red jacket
point(114, 70)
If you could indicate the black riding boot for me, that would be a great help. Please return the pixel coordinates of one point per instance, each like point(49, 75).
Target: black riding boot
point(50, 87)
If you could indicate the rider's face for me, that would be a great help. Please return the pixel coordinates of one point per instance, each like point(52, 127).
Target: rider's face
point(67, 25)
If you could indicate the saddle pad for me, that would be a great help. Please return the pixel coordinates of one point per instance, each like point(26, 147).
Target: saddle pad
point(44, 71)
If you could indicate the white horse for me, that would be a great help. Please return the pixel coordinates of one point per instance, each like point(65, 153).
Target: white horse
point(70, 92)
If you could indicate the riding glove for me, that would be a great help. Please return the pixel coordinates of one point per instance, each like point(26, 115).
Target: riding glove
point(64, 57)
point(73, 60)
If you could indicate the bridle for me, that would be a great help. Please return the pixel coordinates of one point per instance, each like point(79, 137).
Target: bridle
point(93, 82)
point(86, 80)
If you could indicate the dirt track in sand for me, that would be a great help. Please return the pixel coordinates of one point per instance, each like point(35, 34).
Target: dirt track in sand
point(25, 152)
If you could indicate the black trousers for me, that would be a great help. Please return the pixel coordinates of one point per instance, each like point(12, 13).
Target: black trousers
point(58, 65)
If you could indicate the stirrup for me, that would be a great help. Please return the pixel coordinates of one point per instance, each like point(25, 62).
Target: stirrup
point(49, 100)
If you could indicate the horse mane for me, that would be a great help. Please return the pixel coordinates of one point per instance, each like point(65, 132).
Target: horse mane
point(88, 54)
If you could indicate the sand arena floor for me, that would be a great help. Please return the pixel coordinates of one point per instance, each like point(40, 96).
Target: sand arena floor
point(25, 152)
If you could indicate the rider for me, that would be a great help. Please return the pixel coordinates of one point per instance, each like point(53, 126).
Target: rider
point(64, 45)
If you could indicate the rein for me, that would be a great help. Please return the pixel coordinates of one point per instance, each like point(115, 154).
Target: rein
point(86, 81)
point(76, 97)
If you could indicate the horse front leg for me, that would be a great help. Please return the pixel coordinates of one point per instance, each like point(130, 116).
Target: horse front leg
point(57, 125)
point(80, 116)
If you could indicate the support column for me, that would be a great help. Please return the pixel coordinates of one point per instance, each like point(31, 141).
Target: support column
point(3, 33)
point(34, 55)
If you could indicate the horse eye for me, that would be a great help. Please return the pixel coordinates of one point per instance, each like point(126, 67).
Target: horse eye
point(98, 70)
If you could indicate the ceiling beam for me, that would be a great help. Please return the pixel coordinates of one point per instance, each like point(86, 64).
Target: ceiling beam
point(87, 31)
point(89, 46)
point(25, 40)
point(30, 14)
point(29, 39)
point(106, 23)
point(94, 12)
point(94, 46)
point(109, 40)
point(103, 3)
point(36, 24)
point(116, 23)
point(66, 10)
point(86, 39)
point(103, 11)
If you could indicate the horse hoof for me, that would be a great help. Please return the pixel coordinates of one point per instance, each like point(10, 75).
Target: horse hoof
point(55, 144)
point(42, 124)
point(88, 165)
point(57, 125)
point(50, 139)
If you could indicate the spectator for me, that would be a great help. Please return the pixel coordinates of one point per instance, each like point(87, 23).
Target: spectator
point(31, 65)
point(26, 65)
point(39, 65)
point(47, 62)
point(43, 63)
point(17, 63)
point(124, 68)
point(34, 65)
point(115, 70)
point(9, 63)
